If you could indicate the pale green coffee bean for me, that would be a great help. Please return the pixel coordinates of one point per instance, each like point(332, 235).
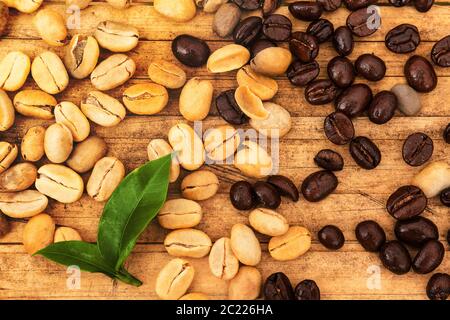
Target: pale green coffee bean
point(191, 243)
point(107, 174)
point(167, 74)
point(189, 146)
point(113, 72)
point(116, 36)
point(221, 142)
point(51, 26)
point(14, 70)
point(180, 214)
point(174, 279)
point(158, 148)
point(32, 146)
point(18, 177)
point(246, 285)
point(103, 109)
point(7, 115)
point(23, 204)
point(81, 56)
point(145, 98)
point(222, 261)
point(268, 222)
point(245, 245)
point(276, 125)
point(38, 233)
point(195, 99)
point(71, 116)
point(58, 143)
point(433, 178)
point(273, 61)
point(66, 234)
point(228, 58)
point(226, 19)
point(253, 161)
point(177, 10)
point(264, 87)
point(35, 103)
point(291, 245)
point(86, 154)
point(200, 185)
point(8, 153)
point(49, 72)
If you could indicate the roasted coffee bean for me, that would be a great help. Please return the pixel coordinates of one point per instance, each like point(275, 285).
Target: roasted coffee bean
point(339, 128)
point(259, 45)
point(228, 108)
point(429, 257)
point(331, 237)
point(190, 51)
point(284, 186)
point(399, 3)
point(354, 100)
point(300, 73)
point(226, 19)
point(395, 257)
point(321, 92)
point(423, 5)
point(438, 287)
point(358, 4)
point(269, 6)
point(306, 10)
point(341, 72)
point(420, 74)
point(416, 231)
point(365, 153)
point(445, 197)
point(382, 108)
point(278, 287)
point(417, 149)
point(370, 67)
point(242, 196)
point(277, 27)
point(267, 195)
point(330, 5)
point(406, 202)
point(248, 30)
point(329, 160)
point(370, 235)
point(440, 54)
point(343, 41)
point(363, 22)
point(304, 46)
point(446, 134)
point(248, 4)
point(307, 290)
point(403, 38)
point(319, 185)
point(322, 29)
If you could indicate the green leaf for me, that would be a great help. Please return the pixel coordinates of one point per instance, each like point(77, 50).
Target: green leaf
point(132, 206)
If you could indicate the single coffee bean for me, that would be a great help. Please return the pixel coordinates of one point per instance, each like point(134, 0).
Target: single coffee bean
point(113, 72)
point(301, 73)
point(305, 10)
point(354, 100)
point(158, 148)
point(58, 143)
point(221, 142)
point(191, 152)
point(246, 285)
point(429, 257)
point(370, 67)
point(269, 6)
point(339, 128)
point(329, 160)
point(195, 99)
point(146, 98)
point(341, 72)
point(250, 103)
point(86, 154)
point(408, 99)
point(440, 54)
point(103, 109)
point(264, 87)
point(14, 70)
point(358, 4)
point(365, 153)
point(248, 4)
point(180, 214)
point(66, 234)
point(277, 124)
point(343, 41)
point(307, 290)
point(403, 38)
point(248, 30)
point(399, 3)
point(7, 115)
point(199, 185)
point(166, 74)
point(277, 27)
point(226, 19)
point(272, 62)
point(360, 22)
point(32, 146)
point(38, 233)
point(268, 222)
point(23, 204)
point(395, 257)
point(69, 115)
point(229, 109)
point(438, 287)
point(291, 245)
point(370, 235)
point(190, 51)
point(420, 74)
point(107, 174)
point(432, 179)
point(253, 160)
point(446, 134)
point(18, 177)
point(210, 6)
point(8, 153)
point(174, 279)
point(445, 197)
point(320, 92)
point(49, 72)
point(5, 226)
point(417, 149)
point(245, 245)
point(222, 261)
point(416, 231)
point(259, 45)
point(118, 4)
point(319, 185)
point(322, 29)
point(304, 46)
point(267, 195)
point(330, 5)
point(406, 202)
point(177, 10)
point(51, 26)
point(331, 237)
point(116, 37)
point(81, 56)
point(35, 104)
point(278, 287)
point(382, 108)
point(284, 186)
point(191, 243)
point(242, 196)
point(423, 5)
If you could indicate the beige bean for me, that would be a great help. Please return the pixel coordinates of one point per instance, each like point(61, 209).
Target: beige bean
point(5, 226)
point(25, 6)
point(253, 161)
point(7, 115)
point(66, 234)
point(189, 146)
point(167, 74)
point(276, 125)
point(87, 153)
point(291, 245)
point(221, 142)
point(32, 146)
point(18, 177)
point(145, 98)
point(273, 61)
point(187, 243)
point(81, 4)
point(8, 153)
point(195, 99)
point(69, 115)
point(264, 87)
point(226, 19)
point(268, 222)
point(23, 204)
point(432, 179)
point(116, 36)
point(107, 174)
point(200, 185)
point(158, 148)
point(58, 143)
point(180, 214)
point(60, 183)
point(51, 26)
point(81, 56)
point(210, 6)
point(119, 4)
point(250, 103)
point(103, 109)
point(35, 104)
point(228, 58)
point(222, 261)
point(245, 245)
point(113, 72)
point(174, 279)
point(49, 73)
point(246, 285)
point(38, 233)
point(14, 70)
point(195, 296)
point(177, 10)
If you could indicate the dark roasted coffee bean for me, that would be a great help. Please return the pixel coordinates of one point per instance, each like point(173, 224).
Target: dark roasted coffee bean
point(307, 290)
point(365, 153)
point(339, 128)
point(190, 51)
point(319, 185)
point(330, 5)
point(269, 6)
point(228, 108)
point(267, 195)
point(341, 72)
point(354, 100)
point(331, 237)
point(358, 4)
point(284, 186)
point(423, 5)
point(403, 38)
point(399, 3)
point(370, 67)
point(259, 45)
point(305, 10)
point(429, 257)
point(440, 54)
point(278, 287)
point(329, 160)
point(370, 235)
point(242, 195)
point(445, 197)
point(417, 149)
point(277, 27)
point(382, 108)
point(322, 29)
point(248, 4)
point(304, 46)
point(364, 22)
point(301, 73)
point(395, 257)
point(416, 231)
point(446, 134)
point(321, 92)
point(343, 41)
point(438, 287)
point(247, 31)
point(420, 74)
point(406, 202)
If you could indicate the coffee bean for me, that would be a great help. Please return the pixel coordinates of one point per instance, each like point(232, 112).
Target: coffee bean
point(407, 98)
point(247, 31)
point(307, 290)
point(403, 38)
point(284, 186)
point(417, 149)
point(354, 100)
point(445, 197)
point(343, 41)
point(259, 45)
point(329, 160)
point(429, 257)
point(399, 3)
point(362, 22)
point(322, 29)
point(339, 128)
point(242, 195)
point(301, 73)
point(278, 287)
point(277, 27)
point(304, 46)
point(416, 231)
point(446, 134)
point(358, 4)
point(248, 4)
point(267, 195)
point(382, 108)
point(190, 51)
point(365, 153)
point(406, 202)
point(321, 92)
point(269, 6)
point(228, 108)
point(331, 237)
point(319, 185)
point(341, 72)
point(395, 257)
point(440, 54)
point(330, 5)
point(438, 287)
point(370, 235)
point(423, 5)
point(370, 67)
point(305, 10)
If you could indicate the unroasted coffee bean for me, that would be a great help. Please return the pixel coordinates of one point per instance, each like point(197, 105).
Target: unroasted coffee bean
point(222, 261)
point(423, 5)
point(307, 290)
point(446, 134)
point(259, 45)
point(228, 108)
point(319, 185)
point(343, 41)
point(417, 149)
point(177, 10)
point(370, 235)
point(408, 99)
point(304, 46)
point(339, 128)
point(174, 279)
point(433, 178)
point(440, 54)
point(248, 30)
point(199, 185)
point(395, 257)
point(322, 29)
point(365, 153)
point(438, 287)
point(403, 38)
point(301, 73)
point(294, 243)
point(370, 67)
point(245, 245)
point(364, 22)
point(399, 3)
point(330, 5)
point(226, 19)
point(242, 196)
point(180, 214)
point(81, 56)
point(228, 58)
point(267, 195)
point(329, 160)
point(429, 257)
point(341, 72)
point(406, 202)
point(284, 186)
point(187, 243)
point(420, 74)
point(277, 27)
point(272, 62)
point(248, 4)
point(358, 4)
point(269, 6)
point(354, 100)
point(382, 108)
point(5, 226)
point(321, 92)
point(116, 37)
point(113, 72)
point(278, 287)
point(331, 237)
point(305, 10)
point(107, 174)
point(445, 197)
point(416, 231)
point(246, 285)
point(190, 51)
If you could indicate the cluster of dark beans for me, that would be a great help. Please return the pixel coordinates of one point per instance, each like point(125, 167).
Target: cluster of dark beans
point(278, 287)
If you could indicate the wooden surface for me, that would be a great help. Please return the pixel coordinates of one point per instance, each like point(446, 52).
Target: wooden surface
point(360, 195)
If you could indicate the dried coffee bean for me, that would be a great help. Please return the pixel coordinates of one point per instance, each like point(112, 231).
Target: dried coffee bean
point(305, 10)
point(300, 73)
point(339, 128)
point(429, 257)
point(406, 202)
point(403, 38)
point(278, 287)
point(269, 6)
point(329, 160)
point(382, 108)
point(364, 22)
point(446, 134)
point(330, 5)
point(248, 4)
point(322, 29)
point(420, 74)
point(445, 197)
point(228, 108)
point(259, 45)
point(5, 226)
point(321, 92)
point(341, 72)
point(304, 46)
point(267, 195)
point(440, 54)
point(438, 287)
point(365, 153)
point(291, 245)
point(358, 4)
point(370, 235)
point(423, 5)
point(242, 195)
point(408, 99)
point(331, 237)
point(307, 290)
point(354, 100)
point(417, 149)
point(248, 30)
point(395, 257)
point(399, 3)
point(190, 51)
point(226, 19)
point(284, 186)
point(416, 231)
point(268, 222)
point(277, 27)
point(370, 67)
point(272, 62)
point(343, 41)
point(319, 185)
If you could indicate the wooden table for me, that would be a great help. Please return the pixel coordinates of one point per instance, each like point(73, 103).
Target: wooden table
point(361, 194)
